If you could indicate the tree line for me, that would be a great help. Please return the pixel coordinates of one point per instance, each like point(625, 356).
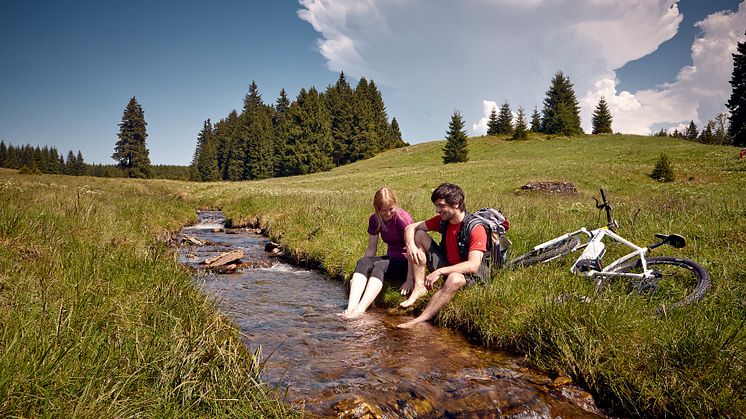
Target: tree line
point(37, 159)
point(314, 132)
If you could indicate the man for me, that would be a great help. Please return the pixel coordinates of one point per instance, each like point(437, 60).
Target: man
point(444, 259)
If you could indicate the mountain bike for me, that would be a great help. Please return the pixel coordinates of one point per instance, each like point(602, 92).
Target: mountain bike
point(669, 282)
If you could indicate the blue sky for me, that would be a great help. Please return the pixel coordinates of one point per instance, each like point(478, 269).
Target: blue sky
point(69, 68)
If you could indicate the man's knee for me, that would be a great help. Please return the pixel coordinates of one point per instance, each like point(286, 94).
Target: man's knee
point(422, 239)
point(455, 281)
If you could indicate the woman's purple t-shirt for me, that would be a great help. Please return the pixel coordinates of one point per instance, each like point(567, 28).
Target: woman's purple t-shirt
point(392, 232)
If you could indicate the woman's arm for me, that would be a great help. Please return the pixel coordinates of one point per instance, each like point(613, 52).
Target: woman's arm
point(372, 246)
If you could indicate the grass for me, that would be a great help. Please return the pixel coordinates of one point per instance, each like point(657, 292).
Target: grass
point(97, 317)
point(687, 363)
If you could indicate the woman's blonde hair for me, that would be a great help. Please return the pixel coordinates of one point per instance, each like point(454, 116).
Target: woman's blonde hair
point(384, 197)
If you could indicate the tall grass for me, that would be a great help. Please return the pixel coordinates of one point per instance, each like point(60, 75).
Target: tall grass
point(98, 319)
point(686, 363)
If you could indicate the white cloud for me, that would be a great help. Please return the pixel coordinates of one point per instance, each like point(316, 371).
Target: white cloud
point(431, 56)
point(699, 92)
point(480, 128)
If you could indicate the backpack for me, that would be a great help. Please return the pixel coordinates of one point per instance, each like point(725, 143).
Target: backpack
point(496, 224)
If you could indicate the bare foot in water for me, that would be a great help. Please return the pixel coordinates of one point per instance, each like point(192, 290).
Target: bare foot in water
point(416, 293)
point(352, 315)
point(410, 324)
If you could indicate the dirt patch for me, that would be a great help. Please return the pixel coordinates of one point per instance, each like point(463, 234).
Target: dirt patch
point(552, 188)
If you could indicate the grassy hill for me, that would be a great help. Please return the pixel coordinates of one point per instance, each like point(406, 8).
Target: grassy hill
point(97, 318)
point(686, 363)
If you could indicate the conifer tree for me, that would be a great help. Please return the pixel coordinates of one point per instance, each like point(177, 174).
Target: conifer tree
point(505, 119)
point(691, 131)
point(561, 114)
point(339, 103)
point(130, 151)
point(707, 136)
point(257, 134)
point(535, 120)
point(396, 134)
point(492, 127)
point(70, 164)
point(226, 130)
point(380, 119)
point(365, 141)
point(308, 135)
point(79, 164)
point(721, 130)
point(737, 102)
point(205, 162)
point(521, 130)
point(456, 147)
point(3, 153)
point(601, 120)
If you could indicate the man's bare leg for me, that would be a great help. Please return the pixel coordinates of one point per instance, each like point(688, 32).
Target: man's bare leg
point(422, 240)
point(453, 283)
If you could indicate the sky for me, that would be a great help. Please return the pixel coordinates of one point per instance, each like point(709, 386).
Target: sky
point(68, 69)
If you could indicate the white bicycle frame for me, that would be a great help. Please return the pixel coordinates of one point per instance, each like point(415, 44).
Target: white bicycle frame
point(595, 238)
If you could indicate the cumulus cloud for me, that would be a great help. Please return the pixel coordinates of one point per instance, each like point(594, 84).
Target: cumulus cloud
point(699, 92)
point(480, 127)
point(430, 57)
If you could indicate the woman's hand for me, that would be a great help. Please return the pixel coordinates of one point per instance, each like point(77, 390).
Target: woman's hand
point(407, 287)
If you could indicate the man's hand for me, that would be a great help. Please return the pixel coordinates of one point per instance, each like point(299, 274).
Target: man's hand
point(432, 278)
point(415, 255)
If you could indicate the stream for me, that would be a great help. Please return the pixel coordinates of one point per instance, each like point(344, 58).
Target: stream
point(366, 367)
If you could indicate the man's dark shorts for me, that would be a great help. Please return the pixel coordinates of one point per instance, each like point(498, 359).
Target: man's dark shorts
point(436, 258)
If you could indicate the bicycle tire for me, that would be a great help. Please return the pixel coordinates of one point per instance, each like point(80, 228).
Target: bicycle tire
point(534, 257)
point(680, 282)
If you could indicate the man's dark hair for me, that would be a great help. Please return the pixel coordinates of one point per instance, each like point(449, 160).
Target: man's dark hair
point(452, 194)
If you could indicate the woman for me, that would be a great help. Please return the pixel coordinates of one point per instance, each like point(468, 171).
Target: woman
point(388, 221)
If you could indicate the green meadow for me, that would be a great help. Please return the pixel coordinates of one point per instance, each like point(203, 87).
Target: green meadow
point(98, 318)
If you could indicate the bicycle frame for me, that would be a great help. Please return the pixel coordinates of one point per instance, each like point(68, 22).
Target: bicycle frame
point(597, 236)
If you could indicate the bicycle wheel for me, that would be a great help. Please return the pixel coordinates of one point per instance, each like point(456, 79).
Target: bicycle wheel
point(676, 282)
point(544, 254)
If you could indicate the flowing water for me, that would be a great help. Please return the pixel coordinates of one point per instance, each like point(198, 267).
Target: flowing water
point(329, 367)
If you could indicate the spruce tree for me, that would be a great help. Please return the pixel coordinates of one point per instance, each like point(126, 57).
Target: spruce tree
point(70, 164)
point(79, 164)
point(535, 120)
point(308, 135)
point(691, 131)
point(205, 162)
point(396, 134)
point(3, 153)
point(521, 130)
point(737, 101)
point(339, 102)
point(601, 120)
point(561, 114)
point(257, 134)
point(707, 136)
point(505, 119)
point(225, 131)
point(492, 127)
point(380, 118)
point(365, 140)
point(456, 147)
point(130, 151)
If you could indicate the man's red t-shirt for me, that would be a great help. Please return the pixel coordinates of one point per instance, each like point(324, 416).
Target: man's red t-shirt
point(477, 241)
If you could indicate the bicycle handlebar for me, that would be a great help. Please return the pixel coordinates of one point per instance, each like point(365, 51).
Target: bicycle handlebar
point(611, 223)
